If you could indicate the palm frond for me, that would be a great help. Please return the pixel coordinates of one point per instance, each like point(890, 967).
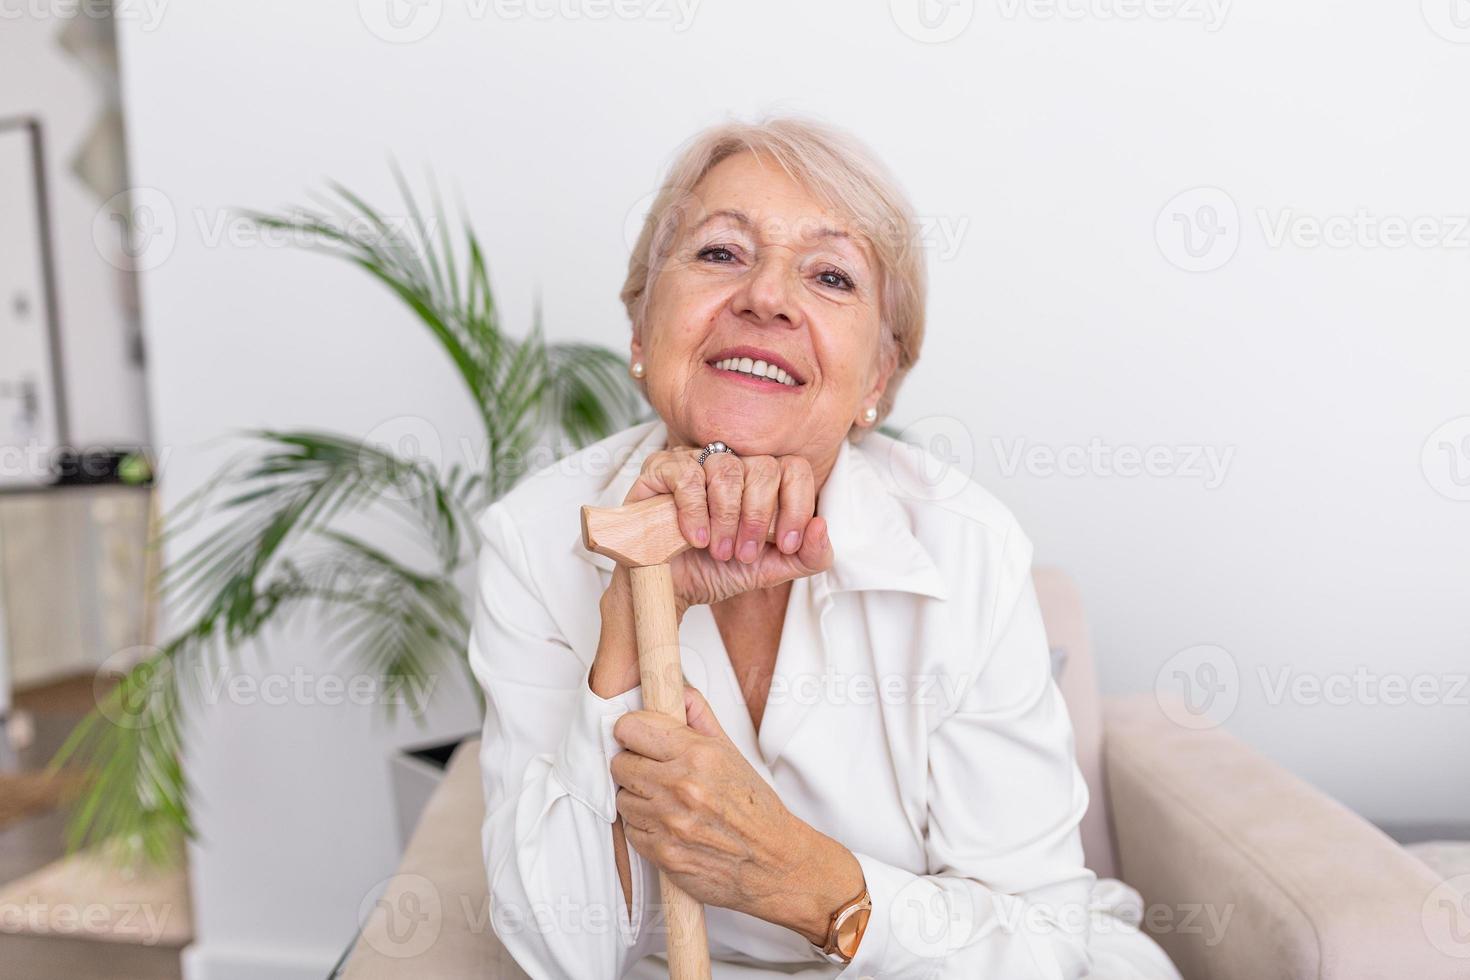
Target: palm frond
point(588, 394)
point(300, 482)
point(267, 528)
point(402, 626)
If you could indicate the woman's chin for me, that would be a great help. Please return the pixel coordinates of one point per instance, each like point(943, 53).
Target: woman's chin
point(749, 429)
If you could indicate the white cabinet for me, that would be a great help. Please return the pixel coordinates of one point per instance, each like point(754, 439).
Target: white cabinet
point(73, 567)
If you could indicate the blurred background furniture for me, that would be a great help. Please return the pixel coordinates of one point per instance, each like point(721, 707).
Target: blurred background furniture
point(74, 564)
point(1207, 830)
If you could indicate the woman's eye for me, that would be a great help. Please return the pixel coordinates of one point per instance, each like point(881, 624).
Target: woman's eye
point(835, 278)
point(717, 253)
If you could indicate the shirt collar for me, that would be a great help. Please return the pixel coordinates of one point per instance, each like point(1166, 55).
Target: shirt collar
point(875, 546)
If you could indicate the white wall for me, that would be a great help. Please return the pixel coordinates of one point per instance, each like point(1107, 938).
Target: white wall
point(103, 382)
point(1050, 146)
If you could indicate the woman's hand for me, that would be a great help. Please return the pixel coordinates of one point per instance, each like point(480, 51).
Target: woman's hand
point(693, 805)
point(725, 508)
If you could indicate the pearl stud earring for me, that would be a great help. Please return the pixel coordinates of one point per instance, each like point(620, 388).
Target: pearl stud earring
point(870, 415)
point(637, 369)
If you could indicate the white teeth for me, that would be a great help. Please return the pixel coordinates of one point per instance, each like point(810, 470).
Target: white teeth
point(760, 369)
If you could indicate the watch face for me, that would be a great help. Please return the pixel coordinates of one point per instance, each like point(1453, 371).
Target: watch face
point(850, 931)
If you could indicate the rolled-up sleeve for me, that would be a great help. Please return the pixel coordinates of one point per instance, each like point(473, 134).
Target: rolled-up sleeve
point(1008, 892)
point(556, 900)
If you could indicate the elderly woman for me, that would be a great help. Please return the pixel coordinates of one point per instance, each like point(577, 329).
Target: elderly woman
point(876, 777)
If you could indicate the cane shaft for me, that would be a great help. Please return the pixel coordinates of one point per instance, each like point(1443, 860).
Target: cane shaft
point(662, 676)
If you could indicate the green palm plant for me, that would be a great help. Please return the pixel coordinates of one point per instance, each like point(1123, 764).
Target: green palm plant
point(278, 538)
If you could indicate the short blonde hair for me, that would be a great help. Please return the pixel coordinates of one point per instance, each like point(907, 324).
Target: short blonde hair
point(841, 172)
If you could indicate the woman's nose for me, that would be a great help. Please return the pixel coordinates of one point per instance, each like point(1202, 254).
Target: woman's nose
point(767, 293)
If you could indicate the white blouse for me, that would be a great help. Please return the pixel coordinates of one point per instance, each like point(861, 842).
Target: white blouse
point(912, 716)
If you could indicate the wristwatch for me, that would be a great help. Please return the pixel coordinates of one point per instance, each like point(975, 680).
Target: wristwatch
point(845, 930)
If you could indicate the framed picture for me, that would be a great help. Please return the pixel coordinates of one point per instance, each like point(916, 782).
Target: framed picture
point(32, 416)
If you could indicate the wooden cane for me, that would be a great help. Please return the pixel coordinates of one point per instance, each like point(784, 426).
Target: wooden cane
point(645, 536)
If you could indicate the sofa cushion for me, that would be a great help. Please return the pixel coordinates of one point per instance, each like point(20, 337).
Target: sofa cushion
point(1076, 675)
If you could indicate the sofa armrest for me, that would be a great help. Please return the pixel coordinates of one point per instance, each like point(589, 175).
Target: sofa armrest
point(433, 919)
point(1250, 873)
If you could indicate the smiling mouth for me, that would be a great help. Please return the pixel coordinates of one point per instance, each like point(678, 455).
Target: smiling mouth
point(757, 370)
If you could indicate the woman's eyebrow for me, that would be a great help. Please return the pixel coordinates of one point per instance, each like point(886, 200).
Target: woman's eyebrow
point(820, 233)
point(739, 217)
point(743, 220)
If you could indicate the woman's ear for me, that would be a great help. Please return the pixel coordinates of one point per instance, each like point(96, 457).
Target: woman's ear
point(636, 367)
point(887, 362)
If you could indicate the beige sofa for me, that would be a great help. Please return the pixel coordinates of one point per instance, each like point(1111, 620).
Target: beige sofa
point(1247, 872)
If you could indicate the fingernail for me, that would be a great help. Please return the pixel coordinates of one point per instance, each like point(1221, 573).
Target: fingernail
point(791, 541)
point(701, 536)
point(747, 552)
point(726, 548)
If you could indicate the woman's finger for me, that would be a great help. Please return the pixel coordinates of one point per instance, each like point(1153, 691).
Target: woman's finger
point(816, 548)
point(636, 773)
point(698, 714)
point(724, 481)
point(685, 480)
point(649, 483)
point(640, 836)
point(676, 472)
point(650, 734)
point(797, 504)
point(635, 811)
point(757, 505)
point(815, 555)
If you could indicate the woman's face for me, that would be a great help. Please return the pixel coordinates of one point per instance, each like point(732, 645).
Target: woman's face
point(760, 269)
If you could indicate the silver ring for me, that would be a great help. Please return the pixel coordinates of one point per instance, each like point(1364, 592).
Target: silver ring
point(712, 448)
